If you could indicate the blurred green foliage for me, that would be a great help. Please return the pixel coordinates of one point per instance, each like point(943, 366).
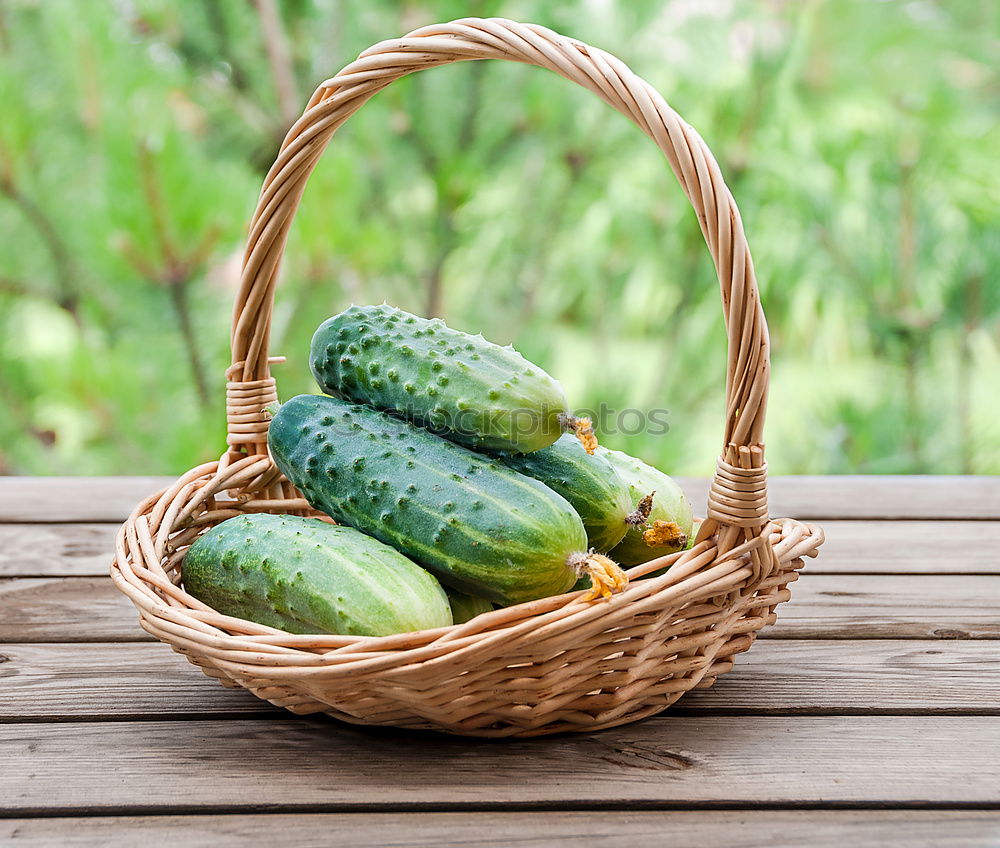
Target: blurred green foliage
point(860, 139)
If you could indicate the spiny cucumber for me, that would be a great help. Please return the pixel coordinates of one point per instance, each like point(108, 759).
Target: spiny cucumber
point(480, 527)
point(670, 519)
point(304, 575)
point(459, 386)
point(589, 483)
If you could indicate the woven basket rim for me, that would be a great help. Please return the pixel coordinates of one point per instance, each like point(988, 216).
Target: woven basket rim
point(791, 540)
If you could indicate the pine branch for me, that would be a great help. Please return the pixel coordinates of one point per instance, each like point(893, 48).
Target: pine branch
point(279, 60)
point(178, 269)
point(68, 298)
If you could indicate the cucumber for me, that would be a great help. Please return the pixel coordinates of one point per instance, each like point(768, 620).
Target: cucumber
point(459, 386)
point(589, 483)
point(670, 518)
point(466, 607)
point(481, 527)
point(695, 528)
point(304, 575)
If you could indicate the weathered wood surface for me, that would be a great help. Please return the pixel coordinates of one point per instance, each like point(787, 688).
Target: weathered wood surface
point(860, 606)
point(865, 497)
point(111, 499)
point(909, 547)
point(316, 763)
point(609, 829)
point(58, 682)
point(56, 550)
point(857, 677)
point(890, 606)
point(878, 688)
point(852, 547)
point(74, 499)
point(66, 609)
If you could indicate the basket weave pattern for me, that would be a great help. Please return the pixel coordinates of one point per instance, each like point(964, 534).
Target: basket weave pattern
point(556, 664)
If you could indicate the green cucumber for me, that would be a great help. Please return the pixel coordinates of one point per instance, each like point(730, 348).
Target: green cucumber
point(466, 607)
point(695, 528)
point(459, 386)
point(304, 575)
point(481, 527)
point(589, 483)
point(669, 506)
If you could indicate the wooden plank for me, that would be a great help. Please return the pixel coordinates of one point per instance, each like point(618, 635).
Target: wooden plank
point(865, 606)
point(608, 829)
point(867, 497)
point(76, 499)
point(852, 547)
point(321, 765)
point(111, 499)
point(58, 682)
point(52, 682)
point(857, 677)
point(66, 609)
point(56, 550)
point(890, 606)
point(909, 547)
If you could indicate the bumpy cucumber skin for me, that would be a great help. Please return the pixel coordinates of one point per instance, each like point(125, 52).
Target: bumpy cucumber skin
point(669, 504)
point(304, 575)
point(481, 527)
point(459, 386)
point(466, 607)
point(589, 483)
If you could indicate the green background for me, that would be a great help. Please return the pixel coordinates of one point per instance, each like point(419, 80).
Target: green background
point(859, 138)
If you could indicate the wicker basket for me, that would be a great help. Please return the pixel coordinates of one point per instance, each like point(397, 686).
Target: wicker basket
point(557, 664)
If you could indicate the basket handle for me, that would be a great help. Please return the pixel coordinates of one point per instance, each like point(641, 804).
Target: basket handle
point(737, 501)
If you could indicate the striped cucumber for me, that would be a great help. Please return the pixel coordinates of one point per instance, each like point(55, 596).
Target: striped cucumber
point(459, 386)
point(304, 575)
point(669, 520)
point(589, 483)
point(480, 527)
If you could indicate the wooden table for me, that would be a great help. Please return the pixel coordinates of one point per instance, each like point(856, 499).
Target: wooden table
point(868, 716)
